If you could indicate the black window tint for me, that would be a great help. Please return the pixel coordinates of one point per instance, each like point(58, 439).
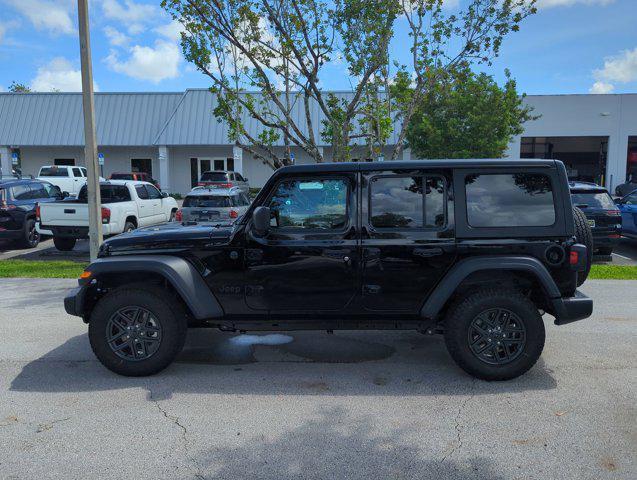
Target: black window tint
point(434, 202)
point(141, 192)
point(214, 177)
point(122, 176)
point(239, 177)
point(207, 201)
point(396, 202)
point(509, 200)
point(77, 172)
point(21, 192)
point(153, 192)
point(312, 204)
point(108, 194)
point(54, 172)
point(38, 191)
point(53, 190)
point(598, 200)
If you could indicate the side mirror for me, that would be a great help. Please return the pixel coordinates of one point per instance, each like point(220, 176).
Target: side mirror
point(261, 220)
point(164, 195)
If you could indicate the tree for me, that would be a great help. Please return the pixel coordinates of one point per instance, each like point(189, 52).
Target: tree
point(16, 87)
point(265, 59)
point(467, 115)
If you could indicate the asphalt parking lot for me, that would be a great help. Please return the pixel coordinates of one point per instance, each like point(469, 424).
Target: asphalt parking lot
point(356, 405)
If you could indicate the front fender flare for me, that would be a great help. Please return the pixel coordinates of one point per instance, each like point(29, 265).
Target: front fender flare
point(180, 273)
point(445, 289)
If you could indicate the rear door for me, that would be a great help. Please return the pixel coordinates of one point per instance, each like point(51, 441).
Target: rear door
point(308, 261)
point(407, 237)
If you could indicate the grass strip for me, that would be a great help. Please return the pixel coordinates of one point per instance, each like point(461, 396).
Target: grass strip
point(40, 268)
point(613, 272)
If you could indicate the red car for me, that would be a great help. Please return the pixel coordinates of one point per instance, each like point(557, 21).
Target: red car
point(138, 176)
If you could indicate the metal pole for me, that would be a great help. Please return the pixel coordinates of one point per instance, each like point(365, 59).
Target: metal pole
point(90, 148)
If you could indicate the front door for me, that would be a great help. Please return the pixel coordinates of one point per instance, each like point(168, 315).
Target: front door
point(308, 261)
point(406, 237)
point(629, 215)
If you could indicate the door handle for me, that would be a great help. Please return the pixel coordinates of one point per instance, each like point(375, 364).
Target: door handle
point(428, 252)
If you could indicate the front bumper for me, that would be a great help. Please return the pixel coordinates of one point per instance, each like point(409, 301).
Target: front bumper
point(74, 301)
point(572, 309)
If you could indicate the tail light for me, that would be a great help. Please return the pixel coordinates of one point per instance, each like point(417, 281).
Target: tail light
point(613, 213)
point(201, 184)
point(224, 185)
point(37, 212)
point(234, 214)
point(179, 216)
point(5, 206)
point(106, 215)
point(574, 257)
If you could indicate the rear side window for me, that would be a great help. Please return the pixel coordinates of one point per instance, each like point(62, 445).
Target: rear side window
point(509, 200)
point(54, 172)
point(207, 201)
point(598, 200)
point(214, 177)
point(407, 202)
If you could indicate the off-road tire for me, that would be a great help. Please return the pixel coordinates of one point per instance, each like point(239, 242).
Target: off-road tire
point(129, 227)
point(161, 304)
point(64, 244)
point(584, 236)
point(462, 314)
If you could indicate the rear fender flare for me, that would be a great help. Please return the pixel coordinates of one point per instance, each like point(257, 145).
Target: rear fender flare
point(180, 273)
point(448, 285)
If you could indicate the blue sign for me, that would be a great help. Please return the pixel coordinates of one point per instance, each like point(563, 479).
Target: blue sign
point(100, 159)
point(14, 158)
point(292, 157)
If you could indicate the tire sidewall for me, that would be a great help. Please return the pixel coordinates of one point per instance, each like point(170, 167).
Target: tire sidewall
point(29, 225)
point(173, 325)
point(457, 328)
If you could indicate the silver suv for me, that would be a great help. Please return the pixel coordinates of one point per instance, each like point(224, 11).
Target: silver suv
point(207, 204)
point(224, 179)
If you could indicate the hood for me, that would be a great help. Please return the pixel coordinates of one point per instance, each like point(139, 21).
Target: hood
point(169, 237)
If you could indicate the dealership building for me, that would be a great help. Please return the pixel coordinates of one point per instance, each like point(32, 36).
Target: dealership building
point(175, 136)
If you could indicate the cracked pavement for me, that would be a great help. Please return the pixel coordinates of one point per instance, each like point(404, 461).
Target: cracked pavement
point(355, 405)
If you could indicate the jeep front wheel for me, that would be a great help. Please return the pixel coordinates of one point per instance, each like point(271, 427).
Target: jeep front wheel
point(137, 330)
point(495, 334)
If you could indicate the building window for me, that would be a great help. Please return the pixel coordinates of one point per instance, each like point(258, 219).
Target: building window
point(68, 162)
point(142, 165)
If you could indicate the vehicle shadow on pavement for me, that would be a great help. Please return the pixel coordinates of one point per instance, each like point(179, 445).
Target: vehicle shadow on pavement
point(298, 363)
point(332, 444)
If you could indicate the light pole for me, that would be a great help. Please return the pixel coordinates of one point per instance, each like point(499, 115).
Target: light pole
point(90, 147)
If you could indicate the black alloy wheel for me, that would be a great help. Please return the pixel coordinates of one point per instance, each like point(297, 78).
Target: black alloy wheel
point(133, 333)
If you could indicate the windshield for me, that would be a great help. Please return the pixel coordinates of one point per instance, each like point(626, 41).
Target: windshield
point(207, 201)
point(214, 177)
point(598, 200)
point(54, 172)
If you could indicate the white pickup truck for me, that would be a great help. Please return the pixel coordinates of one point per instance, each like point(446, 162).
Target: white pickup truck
point(126, 205)
point(70, 179)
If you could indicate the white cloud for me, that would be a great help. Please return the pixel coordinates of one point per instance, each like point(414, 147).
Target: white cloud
point(569, 3)
point(154, 64)
point(602, 87)
point(52, 15)
point(134, 15)
point(58, 74)
point(115, 37)
point(620, 68)
point(172, 31)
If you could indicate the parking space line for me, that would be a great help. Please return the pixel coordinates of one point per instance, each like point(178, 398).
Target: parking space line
point(621, 256)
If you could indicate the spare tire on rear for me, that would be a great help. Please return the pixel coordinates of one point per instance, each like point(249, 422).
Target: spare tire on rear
point(584, 236)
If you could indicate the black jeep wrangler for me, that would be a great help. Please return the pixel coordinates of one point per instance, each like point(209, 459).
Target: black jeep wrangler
point(477, 250)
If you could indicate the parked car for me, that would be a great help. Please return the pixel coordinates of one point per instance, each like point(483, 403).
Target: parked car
point(601, 212)
point(628, 208)
point(224, 179)
point(137, 176)
point(476, 250)
point(213, 205)
point(126, 205)
point(70, 179)
point(19, 198)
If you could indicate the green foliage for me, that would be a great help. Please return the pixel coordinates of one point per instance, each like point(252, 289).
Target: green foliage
point(40, 268)
point(17, 87)
point(467, 115)
point(613, 272)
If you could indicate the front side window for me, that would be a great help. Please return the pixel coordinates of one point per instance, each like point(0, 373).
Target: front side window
point(77, 172)
point(153, 193)
point(38, 191)
point(407, 202)
point(509, 200)
point(312, 204)
point(141, 192)
point(21, 192)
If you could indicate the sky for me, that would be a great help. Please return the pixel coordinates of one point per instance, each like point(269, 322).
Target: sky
point(568, 47)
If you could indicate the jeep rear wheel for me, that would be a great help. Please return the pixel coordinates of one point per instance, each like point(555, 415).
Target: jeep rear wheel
point(495, 334)
point(137, 330)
